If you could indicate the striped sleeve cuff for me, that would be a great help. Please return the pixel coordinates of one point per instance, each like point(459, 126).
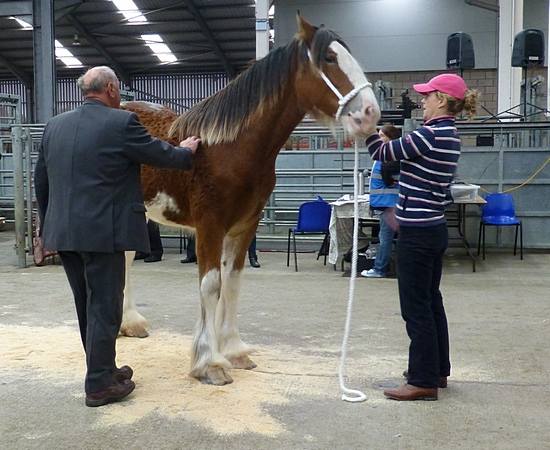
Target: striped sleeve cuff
point(371, 139)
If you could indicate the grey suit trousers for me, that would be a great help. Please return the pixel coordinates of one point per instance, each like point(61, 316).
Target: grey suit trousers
point(97, 281)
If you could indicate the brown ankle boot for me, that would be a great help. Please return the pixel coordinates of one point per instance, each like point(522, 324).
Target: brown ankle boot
point(114, 393)
point(409, 392)
point(123, 373)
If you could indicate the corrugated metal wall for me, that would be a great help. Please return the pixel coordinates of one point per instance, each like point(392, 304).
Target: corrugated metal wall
point(177, 91)
point(13, 87)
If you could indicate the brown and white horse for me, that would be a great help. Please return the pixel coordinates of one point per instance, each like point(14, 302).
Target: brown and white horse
point(243, 128)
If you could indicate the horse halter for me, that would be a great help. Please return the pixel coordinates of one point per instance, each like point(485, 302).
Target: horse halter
point(343, 100)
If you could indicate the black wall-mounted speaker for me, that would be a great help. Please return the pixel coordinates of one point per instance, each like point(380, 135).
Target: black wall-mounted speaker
point(528, 48)
point(460, 51)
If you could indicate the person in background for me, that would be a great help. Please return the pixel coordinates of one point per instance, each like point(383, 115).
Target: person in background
point(155, 242)
point(384, 190)
point(252, 255)
point(191, 256)
point(429, 157)
point(87, 181)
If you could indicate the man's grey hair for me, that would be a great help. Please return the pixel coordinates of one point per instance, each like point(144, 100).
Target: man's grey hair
point(96, 79)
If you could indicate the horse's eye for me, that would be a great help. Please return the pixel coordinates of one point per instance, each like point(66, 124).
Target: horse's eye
point(331, 58)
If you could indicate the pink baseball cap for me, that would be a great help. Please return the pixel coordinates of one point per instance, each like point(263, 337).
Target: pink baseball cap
point(448, 83)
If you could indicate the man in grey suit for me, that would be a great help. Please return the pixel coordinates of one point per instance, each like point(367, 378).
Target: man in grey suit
point(90, 202)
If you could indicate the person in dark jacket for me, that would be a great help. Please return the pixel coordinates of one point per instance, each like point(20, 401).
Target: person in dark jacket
point(429, 157)
point(87, 182)
point(191, 256)
point(155, 242)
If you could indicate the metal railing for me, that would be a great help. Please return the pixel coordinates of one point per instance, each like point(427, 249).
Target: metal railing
point(516, 150)
point(24, 142)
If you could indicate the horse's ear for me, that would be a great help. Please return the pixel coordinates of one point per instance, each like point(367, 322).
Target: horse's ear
point(306, 31)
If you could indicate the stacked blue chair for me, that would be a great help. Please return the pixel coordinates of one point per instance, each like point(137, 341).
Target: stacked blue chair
point(313, 218)
point(499, 212)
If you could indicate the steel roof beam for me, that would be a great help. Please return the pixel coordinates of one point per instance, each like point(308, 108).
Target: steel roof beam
point(487, 4)
point(81, 29)
point(64, 7)
point(180, 61)
point(144, 13)
point(21, 8)
point(153, 23)
point(210, 36)
point(23, 76)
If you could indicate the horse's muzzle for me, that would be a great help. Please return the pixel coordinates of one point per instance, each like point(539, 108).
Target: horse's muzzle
point(362, 123)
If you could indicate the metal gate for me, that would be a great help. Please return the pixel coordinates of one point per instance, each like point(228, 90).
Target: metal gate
point(495, 156)
point(25, 140)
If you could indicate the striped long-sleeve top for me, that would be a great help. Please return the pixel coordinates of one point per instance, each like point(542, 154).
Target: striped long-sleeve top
point(429, 156)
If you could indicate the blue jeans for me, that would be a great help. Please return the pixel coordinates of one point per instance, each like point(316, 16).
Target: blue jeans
point(384, 251)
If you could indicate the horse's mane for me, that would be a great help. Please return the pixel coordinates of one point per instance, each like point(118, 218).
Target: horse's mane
point(221, 117)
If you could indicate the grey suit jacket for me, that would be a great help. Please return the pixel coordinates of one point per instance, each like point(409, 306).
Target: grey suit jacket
point(87, 179)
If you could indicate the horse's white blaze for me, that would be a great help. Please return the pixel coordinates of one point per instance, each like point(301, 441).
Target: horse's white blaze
point(229, 339)
point(365, 98)
point(160, 204)
point(206, 352)
point(348, 64)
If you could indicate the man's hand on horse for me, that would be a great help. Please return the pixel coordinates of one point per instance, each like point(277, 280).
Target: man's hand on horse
point(192, 142)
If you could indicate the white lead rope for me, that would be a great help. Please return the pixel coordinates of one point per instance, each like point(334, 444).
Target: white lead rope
point(351, 395)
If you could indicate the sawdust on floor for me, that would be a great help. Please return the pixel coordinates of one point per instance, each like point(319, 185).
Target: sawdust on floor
point(285, 374)
point(161, 364)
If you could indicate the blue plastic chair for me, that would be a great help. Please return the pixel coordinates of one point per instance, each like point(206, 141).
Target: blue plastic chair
point(313, 218)
point(499, 212)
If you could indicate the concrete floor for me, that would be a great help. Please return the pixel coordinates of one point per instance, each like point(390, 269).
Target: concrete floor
point(498, 396)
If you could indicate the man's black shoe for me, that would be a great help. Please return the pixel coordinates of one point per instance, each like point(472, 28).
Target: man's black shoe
point(188, 260)
point(140, 255)
point(152, 258)
point(254, 262)
point(113, 393)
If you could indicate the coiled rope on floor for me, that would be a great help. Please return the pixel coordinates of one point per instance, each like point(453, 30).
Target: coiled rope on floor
point(351, 395)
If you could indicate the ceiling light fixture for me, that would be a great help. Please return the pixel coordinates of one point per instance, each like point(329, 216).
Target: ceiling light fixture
point(159, 48)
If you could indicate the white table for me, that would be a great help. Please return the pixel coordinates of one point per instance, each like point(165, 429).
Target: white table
point(458, 221)
point(341, 225)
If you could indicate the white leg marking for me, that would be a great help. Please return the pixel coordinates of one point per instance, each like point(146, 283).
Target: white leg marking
point(229, 338)
point(205, 345)
point(133, 323)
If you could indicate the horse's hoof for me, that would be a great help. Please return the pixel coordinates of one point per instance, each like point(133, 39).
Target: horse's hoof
point(242, 362)
point(136, 330)
point(216, 376)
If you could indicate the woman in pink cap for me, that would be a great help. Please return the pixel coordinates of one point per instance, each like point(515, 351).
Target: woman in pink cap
point(429, 156)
